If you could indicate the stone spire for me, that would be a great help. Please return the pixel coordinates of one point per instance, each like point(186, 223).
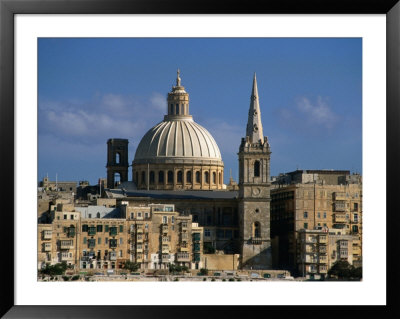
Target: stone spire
point(254, 128)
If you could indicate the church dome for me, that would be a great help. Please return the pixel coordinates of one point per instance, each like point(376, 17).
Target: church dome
point(178, 153)
point(177, 138)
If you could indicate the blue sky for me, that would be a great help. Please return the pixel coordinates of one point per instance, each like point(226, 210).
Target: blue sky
point(310, 92)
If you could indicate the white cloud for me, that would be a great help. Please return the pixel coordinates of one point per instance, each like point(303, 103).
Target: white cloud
point(318, 112)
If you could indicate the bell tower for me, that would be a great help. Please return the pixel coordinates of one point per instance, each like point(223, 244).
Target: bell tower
point(117, 162)
point(254, 190)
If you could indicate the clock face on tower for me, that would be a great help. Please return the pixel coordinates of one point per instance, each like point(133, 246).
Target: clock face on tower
point(256, 191)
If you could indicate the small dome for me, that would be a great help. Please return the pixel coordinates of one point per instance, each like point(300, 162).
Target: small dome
point(178, 139)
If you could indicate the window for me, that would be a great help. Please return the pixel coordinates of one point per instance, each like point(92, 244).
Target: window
point(355, 218)
point(305, 225)
point(165, 219)
point(305, 215)
point(139, 214)
point(214, 178)
point(92, 231)
point(177, 109)
point(179, 176)
point(355, 229)
point(319, 215)
point(256, 230)
point(207, 232)
point(99, 228)
point(98, 215)
point(188, 177)
point(65, 216)
point(106, 227)
point(161, 177)
point(172, 219)
point(113, 243)
point(355, 207)
point(257, 169)
point(117, 158)
point(121, 228)
point(99, 240)
point(172, 109)
point(197, 177)
point(90, 215)
point(170, 177)
point(143, 178)
point(206, 177)
point(106, 240)
point(120, 253)
point(84, 228)
point(151, 177)
point(324, 214)
point(121, 241)
point(91, 243)
point(146, 215)
point(132, 215)
point(84, 240)
point(72, 216)
point(113, 231)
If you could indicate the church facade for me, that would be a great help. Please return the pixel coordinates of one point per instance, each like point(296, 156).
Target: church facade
point(179, 162)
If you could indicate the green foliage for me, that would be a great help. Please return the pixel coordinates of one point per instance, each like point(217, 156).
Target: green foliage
point(205, 279)
point(176, 279)
point(231, 279)
point(203, 272)
point(177, 269)
point(208, 248)
point(66, 278)
point(131, 266)
point(238, 279)
point(76, 277)
point(54, 270)
point(224, 279)
point(212, 279)
point(344, 271)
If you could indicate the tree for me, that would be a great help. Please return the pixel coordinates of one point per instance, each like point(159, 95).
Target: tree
point(343, 270)
point(175, 269)
point(54, 270)
point(131, 266)
point(203, 271)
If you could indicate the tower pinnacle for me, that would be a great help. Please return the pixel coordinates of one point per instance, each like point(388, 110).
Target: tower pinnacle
point(178, 79)
point(254, 128)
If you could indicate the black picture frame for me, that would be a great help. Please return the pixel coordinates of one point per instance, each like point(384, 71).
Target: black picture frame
point(8, 9)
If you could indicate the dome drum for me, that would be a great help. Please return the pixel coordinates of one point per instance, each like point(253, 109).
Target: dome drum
point(174, 177)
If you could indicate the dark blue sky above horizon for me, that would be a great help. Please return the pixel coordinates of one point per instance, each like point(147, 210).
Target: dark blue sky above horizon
point(90, 90)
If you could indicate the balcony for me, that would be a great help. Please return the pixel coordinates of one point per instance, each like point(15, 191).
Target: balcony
point(322, 239)
point(196, 257)
point(322, 260)
point(181, 257)
point(184, 248)
point(356, 250)
point(339, 196)
point(165, 258)
point(311, 240)
point(339, 218)
point(66, 244)
point(164, 229)
point(139, 239)
point(323, 269)
point(113, 256)
point(66, 257)
point(322, 250)
point(47, 247)
point(196, 237)
point(139, 250)
point(47, 234)
point(256, 240)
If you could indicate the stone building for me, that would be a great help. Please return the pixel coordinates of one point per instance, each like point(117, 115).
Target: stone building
point(153, 236)
point(179, 162)
point(318, 250)
point(315, 204)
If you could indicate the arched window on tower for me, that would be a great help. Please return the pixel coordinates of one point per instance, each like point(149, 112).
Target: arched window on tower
point(177, 109)
point(143, 181)
point(151, 177)
point(117, 158)
point(161, 177)
point(214, 178)
point(197, 177)
point(170, 177)
point(257, 169)
point(179, 177)
point(206, 177)
point(98, 215)
point(172, 109)
point(256, 230)
point(188, 177)
point(117, 179)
